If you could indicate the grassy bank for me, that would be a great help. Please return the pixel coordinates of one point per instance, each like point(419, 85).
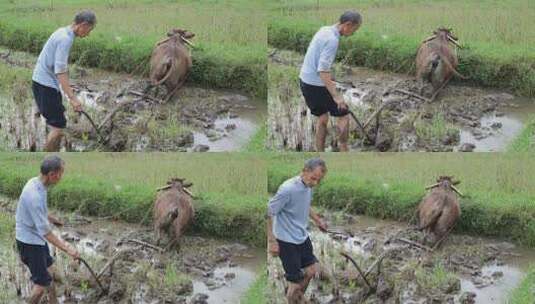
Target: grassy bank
point(229, 188)
point(499, 189)
point(230, 36)
point(498, 51)
point(7, 256)
point(256, 294)
point(525, 142)
point(257, 143)
point(524, 294)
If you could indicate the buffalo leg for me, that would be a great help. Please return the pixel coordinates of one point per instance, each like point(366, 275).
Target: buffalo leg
point(158, 237)
point(440, 88)
point(171, 244)
point(173, 92)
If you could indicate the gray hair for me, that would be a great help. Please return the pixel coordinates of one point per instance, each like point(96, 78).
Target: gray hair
point(313, 163)
point(351, 16)
point(85, 16)
point(51, 163)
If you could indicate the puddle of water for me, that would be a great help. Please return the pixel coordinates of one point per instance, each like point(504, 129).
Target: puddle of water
point(232, 289)
point(246, 127)
point(251, 116)
point(499, 291)
point(512, 123)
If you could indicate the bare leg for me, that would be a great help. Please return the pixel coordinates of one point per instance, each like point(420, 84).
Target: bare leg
point(343, 132)
point(295, 294)
point(321, 132)
point(37, 293)
point(52, 298)
point(310, 272)
point(53, 140)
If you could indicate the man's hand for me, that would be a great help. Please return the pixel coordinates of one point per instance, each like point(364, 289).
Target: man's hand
point(73, 253)
point(273, 248)
point(76, 104)
point(342, 105)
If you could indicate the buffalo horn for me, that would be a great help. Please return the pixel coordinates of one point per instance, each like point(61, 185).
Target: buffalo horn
point(187, 41)
point(187, 192)
point(163, 188)
point(432, 186)
point(454, 42)
point(456, 190)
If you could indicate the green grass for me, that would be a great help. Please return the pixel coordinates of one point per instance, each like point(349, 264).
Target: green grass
point(256, 294)
point(7, 257)
point(525, 142)
point(230, 35)
point(498, 50)
point(524, 293)
point(437, 129)
point(230, 189)
point(499, 189)
point(257, 143)
point(437, 278)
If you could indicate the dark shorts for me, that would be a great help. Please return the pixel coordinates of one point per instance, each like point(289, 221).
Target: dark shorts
point(48, 101)
point(295, 258)
point(320, 101)
point(38, 259)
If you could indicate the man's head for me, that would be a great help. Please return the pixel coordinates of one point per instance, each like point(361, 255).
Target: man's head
point(349, 23)
point(313, 171)
point(83, 23)
point(52, 170)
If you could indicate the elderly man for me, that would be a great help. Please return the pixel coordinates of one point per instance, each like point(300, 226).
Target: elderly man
point(287, 233)
point(317, 85)
point(32, 230)
point(50, 76)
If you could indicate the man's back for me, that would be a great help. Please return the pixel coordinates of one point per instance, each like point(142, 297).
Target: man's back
point(53, 58)
point(31, 219)
point(290, 208)
point(320, 55)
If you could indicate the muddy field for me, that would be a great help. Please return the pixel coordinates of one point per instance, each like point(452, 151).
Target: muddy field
point(462, 118)
point(129, 118)
point(463, 270)
point(204, 270)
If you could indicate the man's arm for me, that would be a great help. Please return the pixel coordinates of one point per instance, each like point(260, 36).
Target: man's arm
point(275, 206)
point(331, 87)
point(63, 79)
point(54, 240)
point(318, 220)
point(327, 56)
point(39, 217)
point(61, 70)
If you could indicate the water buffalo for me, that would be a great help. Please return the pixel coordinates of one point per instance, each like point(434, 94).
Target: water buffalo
point(171, 62)
point(173, 210)
point(439, 209)
point(436, 61)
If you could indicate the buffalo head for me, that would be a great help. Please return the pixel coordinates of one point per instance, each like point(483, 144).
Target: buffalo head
point(445, 34)
point(446, 182)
